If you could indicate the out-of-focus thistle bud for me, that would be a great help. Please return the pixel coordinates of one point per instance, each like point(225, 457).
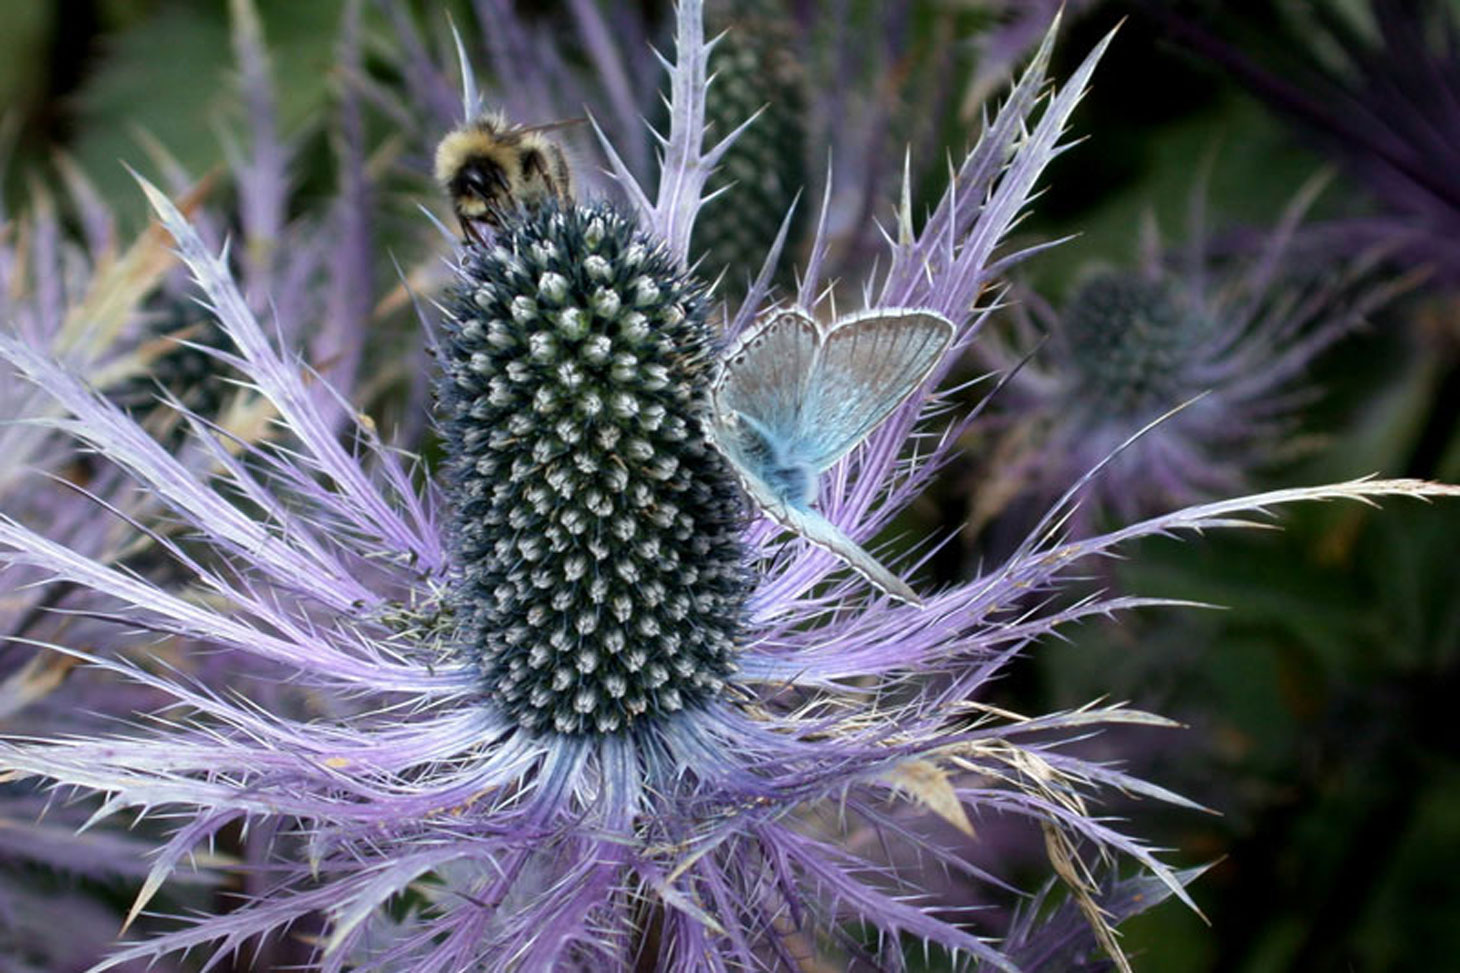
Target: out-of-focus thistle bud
point(174, 346)
point(597, 530)
point(1216, 343)
point(756, 68)
point(1129, 341)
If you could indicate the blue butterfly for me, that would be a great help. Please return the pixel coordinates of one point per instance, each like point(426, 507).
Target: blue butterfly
point(793, 396)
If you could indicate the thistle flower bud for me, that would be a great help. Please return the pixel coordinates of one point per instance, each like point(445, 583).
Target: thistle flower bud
point(1214, 345)
point(602, 577)
point(174, 346)
point(757, 69)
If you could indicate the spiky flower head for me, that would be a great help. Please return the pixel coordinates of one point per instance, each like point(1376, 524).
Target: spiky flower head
point(1131, 341)
point(597, 530)
point(760, 72)
point(181, 340)
point(1206, 347)
point(422, 807)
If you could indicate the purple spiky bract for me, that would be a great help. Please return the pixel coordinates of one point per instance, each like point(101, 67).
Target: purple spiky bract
point(1376, 88)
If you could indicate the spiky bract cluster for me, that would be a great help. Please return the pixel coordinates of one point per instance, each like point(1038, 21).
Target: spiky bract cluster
point(1132, 340)
point(1192, 364)
point(1375, 86)
point(597, 529)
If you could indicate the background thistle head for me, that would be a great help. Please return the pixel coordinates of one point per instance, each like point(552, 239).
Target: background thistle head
point(1196, 363)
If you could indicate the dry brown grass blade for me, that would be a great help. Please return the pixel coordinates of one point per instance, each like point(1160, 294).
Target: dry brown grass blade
point(34, 681)
point(930, 786)
point(118, 289)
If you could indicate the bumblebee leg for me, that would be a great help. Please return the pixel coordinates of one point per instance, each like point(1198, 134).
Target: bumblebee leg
point(561, 182)
point(551, 168)
point(471, 231)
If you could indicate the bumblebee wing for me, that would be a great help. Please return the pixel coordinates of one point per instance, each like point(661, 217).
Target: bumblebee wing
point(553, 126)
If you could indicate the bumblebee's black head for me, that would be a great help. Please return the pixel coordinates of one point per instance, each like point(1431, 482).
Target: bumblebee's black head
point(479, 187)
point(472, 165)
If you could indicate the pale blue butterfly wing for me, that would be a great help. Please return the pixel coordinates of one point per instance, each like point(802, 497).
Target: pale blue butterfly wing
point(869, 364)
point(794, 397)
point(766, 372)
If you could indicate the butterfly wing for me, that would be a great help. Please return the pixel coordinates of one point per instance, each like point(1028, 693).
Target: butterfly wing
point(827, 536)
point(868, 365)
point(766, 373)
point(793, 397)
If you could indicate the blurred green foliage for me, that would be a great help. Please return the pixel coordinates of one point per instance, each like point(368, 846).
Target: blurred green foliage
point(22, 50)
point(90, 78)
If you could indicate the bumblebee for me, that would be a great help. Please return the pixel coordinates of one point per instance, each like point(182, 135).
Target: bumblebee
point(489, 167)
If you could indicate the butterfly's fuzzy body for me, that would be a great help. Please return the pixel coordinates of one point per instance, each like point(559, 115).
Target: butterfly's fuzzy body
point(489, 166)
point(793, 482)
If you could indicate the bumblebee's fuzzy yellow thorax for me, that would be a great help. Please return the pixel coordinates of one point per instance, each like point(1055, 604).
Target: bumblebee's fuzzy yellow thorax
point(460, 147)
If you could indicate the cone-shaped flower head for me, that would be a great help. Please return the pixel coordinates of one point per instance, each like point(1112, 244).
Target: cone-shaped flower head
point(759, 72)
point(597, 530)
point(1131, 342)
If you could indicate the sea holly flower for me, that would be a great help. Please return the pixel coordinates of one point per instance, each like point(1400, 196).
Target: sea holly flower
point(596, 528)
point(118, 313)
point(839, 92)
point(760, 71)
point(77, 299)
point(1207, 347)
point(578, 707)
